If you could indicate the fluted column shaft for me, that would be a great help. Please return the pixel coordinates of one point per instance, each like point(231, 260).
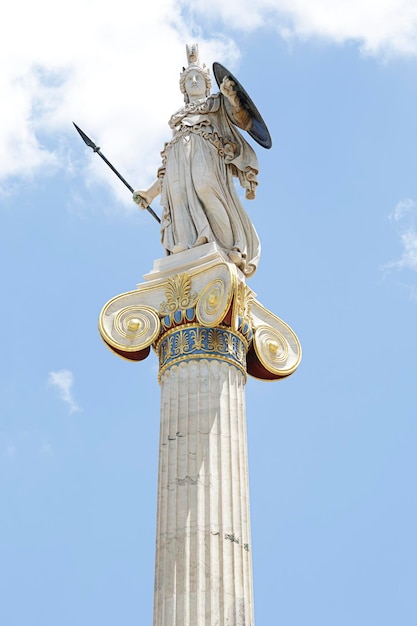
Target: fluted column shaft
point(203, 571)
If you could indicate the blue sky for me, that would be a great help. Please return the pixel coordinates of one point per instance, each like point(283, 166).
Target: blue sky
point(331, 449)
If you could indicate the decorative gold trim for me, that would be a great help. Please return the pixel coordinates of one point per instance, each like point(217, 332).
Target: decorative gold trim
point(206, 297)
point(175, 329)
point(213, 303)
point(244, 298)
point(134, 328)
point(189, 341)
point(120, 356)
point(272, 350)
point(178, 294)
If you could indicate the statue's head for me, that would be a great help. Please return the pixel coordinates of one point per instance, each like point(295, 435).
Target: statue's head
point(191, 78)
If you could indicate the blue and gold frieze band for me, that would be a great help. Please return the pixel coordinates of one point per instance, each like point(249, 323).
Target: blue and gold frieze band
point(192, 341)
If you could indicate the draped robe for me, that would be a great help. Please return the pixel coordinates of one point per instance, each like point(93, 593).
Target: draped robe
point(198, 195)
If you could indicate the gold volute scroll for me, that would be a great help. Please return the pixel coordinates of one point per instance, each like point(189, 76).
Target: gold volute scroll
point(129, 329)
point(276, 350)
point(213, 303)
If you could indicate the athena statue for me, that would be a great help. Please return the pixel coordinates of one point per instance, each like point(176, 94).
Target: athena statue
point(195, 181)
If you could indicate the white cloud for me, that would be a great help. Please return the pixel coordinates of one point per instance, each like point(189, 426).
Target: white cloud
point(408, 258)
point(63, 380)
point(403, 209)
point(114, 71)
point(405, 213)
point(380, 26)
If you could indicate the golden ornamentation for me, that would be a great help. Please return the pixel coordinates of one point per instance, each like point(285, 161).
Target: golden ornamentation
point(182, 344)
point(178, 294)
point(133, 324)
point(188, 342)
point(229, 344)
point(134, 328)
point(271, 348)
point(215, 340)
point(220, 318)
point(244, 301)
point(276, 349)
point(213, 303)
point(197, 338)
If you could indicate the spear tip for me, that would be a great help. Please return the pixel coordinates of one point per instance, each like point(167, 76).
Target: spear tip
point(86, 139)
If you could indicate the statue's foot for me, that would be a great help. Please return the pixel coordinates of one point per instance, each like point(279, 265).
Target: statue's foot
point(179, 247)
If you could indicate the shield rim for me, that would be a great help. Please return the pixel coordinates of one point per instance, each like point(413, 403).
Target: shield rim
point(259, 132)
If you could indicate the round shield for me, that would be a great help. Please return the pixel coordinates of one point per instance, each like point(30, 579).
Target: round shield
point(259, 132)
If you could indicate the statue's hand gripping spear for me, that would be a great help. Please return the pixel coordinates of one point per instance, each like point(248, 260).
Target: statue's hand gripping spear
point(96, 149)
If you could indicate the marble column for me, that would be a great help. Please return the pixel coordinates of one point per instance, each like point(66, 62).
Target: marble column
point(209, 332)
point(203, 573)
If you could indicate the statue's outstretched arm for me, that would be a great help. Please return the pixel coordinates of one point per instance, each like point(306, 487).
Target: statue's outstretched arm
point(240, 114)
point(144, 197)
